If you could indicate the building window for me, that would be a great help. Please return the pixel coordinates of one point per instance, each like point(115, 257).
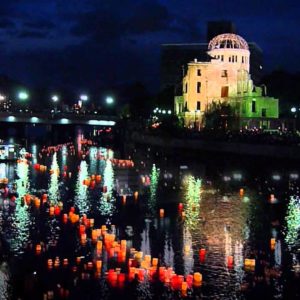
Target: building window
point(242, 59)
point(199, 72)
point(198, 87)
point(198, 105)
point(186, 87)
point(236, 58)
point(229, 59)
point(263, 112)
point(224, 73)
point(222, 57)
point(253, 108)
point(185, 106)
point(224, 91)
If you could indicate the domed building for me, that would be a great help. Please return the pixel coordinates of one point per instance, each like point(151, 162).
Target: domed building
point(225, 78)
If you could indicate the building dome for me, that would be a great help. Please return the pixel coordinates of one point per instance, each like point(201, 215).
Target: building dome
point(228, 41)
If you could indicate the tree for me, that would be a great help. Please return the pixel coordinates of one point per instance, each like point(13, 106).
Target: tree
point(219, 115)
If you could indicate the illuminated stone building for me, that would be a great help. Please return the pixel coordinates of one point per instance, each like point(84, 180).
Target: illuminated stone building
point(224, 78)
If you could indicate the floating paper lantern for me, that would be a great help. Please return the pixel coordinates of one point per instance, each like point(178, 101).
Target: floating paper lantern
point(230, 261)
point(242, 192)
point(154, 261)
point(38, 249)
point(161, 212)
point(197, 277)
point(272, 244)
point(202, 253)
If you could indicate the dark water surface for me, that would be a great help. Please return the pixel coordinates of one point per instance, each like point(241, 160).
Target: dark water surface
point(232, 209)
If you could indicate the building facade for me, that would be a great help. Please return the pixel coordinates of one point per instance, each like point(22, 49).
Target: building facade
point(225, 78)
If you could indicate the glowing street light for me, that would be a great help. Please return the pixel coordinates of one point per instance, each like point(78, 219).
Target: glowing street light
point(84, 97)
point(109, 100)
point(293, 109)
point(23, 95)
point(2, 97)
point(55, 98)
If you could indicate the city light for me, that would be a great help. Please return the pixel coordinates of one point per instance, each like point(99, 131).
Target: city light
point(84, 97)
point(2, 97)
point(109, 100)
point(293, 109)
point(55, 98)
point(23, 95)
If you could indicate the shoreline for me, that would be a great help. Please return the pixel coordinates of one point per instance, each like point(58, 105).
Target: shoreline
point(262, 150)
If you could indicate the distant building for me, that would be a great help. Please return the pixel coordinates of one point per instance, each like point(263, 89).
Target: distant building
point(225, 77)
point(175, 57)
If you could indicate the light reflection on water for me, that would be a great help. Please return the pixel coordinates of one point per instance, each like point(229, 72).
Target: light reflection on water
point(21, 218)
point(222, 222)
point(81, 190)
point(53, 190)
point(107, 200)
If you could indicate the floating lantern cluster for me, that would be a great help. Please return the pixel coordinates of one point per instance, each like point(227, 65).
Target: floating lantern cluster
point(92, 181)
point(122, 163)
point(40, 168)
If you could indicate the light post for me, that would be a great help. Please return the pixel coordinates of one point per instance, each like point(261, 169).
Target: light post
point(23, 96)
point(82, 98)
point(109, 100)
point(55, 100)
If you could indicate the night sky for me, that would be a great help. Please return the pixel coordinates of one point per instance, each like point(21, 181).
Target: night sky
point(92, 44)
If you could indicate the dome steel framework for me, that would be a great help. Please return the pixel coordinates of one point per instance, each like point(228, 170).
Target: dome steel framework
point(228, 41)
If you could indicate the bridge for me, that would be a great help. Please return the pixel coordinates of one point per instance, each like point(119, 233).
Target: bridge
point(58, 118)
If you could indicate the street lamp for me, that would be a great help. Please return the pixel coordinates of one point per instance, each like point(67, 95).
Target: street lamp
point(23, 95)
point(2, 97)
point(55, 98)
point(84, 97)
point(293, 109)
point(109, 100)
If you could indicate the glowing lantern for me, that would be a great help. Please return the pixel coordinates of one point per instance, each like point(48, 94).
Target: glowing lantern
point(124, 199)
point(161, 212)
point(56, 262)
point(51, 210)
point(99, 246)
point(135, 195)
point(249, 264)
point(272, 198)
point(98, 265)
point(197, 278)
point(37, 202)
point(65, 262)
point(123, 244)
point(50, 263)
point(180, 207)
point(202, 253)
point(272, 244)
point(65, 218)
point(230, 261)
point(56, 210)
point(154, 261)
point(241, 192)
point(38, 249)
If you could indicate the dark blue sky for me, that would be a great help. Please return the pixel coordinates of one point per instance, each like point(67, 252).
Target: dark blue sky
point(87, 44)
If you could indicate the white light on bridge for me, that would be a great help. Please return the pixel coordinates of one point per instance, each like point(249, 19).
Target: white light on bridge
point(11, 119)
point(101, 122)
point(276, 177)
point(64, 121)
point(34, 119)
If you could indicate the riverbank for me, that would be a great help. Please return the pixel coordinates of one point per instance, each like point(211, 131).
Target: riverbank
point(274, 151)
